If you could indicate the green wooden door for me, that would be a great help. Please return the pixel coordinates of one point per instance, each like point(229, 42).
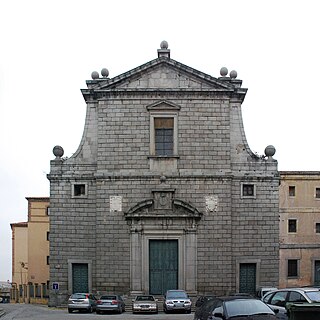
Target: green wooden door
point(80, 277)
point(317, 272)
point(163, 266)
point(247, 278)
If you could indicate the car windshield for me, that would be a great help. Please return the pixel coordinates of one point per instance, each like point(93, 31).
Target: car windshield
point(108, 298)
point(144, 298)
point(176, 294)
point(314, 296)
point(246, 307)
point(79, 296)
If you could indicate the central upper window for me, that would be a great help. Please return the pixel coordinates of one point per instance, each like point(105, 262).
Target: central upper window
point(163, 132)
point(163, 129)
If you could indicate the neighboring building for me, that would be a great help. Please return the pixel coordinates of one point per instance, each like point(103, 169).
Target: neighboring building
point(19, 253)
point(299, 228)
point(163, 191)
point(30, 251)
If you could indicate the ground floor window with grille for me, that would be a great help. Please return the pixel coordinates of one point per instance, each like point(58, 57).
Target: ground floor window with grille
point(292, 268)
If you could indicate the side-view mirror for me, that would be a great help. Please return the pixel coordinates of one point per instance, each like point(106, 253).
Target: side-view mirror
point(132, 300)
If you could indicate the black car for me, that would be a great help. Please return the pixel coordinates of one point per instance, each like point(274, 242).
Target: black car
point(234, 307)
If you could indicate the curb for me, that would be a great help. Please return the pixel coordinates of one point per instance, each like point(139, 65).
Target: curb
point(2, 312)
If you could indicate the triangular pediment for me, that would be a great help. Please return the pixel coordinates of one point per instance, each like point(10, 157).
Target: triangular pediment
point(160, 74)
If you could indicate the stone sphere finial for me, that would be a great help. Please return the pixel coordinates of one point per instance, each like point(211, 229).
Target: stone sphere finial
point(105, 72)
point(58, 152)
point(270, 151)
point(94, 75)
point(223, 71)
point(233, 74)
point(164, 44)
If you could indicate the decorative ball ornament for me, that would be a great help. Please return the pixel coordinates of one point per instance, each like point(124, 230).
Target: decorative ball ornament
point(105, 72)
point(164, 44)
point(58, 151)
point(94, 75)
point(233, 74)
point(270, 151)
point(223, 71)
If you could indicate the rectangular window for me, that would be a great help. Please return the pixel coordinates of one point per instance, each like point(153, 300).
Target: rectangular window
point(292, 268)
point(164, 136)
point(292, 225)
point(317, 227)
point(318, 193)
point(292, 191)
point(48, 235)
point(248, 190)
point(48, 258)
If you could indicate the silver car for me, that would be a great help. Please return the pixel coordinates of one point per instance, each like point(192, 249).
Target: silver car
point(82, 302)
point(176, 300)
point(110, 303)
point(144, 303)
point(278, 299)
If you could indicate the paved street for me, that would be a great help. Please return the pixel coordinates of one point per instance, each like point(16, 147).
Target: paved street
point(28, 311)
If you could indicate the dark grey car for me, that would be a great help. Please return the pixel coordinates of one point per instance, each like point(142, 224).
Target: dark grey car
point(110, 303)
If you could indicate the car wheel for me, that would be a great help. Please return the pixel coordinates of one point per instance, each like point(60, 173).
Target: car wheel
point(188, 311)
point(120, 310)
point(69, 310)
point(90, 310)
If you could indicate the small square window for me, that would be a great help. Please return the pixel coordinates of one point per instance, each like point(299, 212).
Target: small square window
point(79, 190)
point(317, 227)
point(248, 190)
point(318, 193)
point(292, 225)
point(292, 268)
point(292, 191)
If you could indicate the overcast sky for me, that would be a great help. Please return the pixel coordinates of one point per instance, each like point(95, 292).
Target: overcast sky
point(49, 49)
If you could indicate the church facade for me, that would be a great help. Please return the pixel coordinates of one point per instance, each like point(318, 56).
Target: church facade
point(163, 191)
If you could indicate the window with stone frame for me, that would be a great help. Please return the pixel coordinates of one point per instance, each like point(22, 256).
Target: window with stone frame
point(248, 190)
point(293, 265)
point(292, 191)
point(163, 129)
point(292, 225)
point(317, 193)
point(79, 190)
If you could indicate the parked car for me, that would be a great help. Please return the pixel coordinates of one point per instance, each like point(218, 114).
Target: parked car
point(144, 304)
point(176, 300)
point(110, 303)
point(261, 291)
point(82, 302)
point(278, 299)
point(235, 307)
